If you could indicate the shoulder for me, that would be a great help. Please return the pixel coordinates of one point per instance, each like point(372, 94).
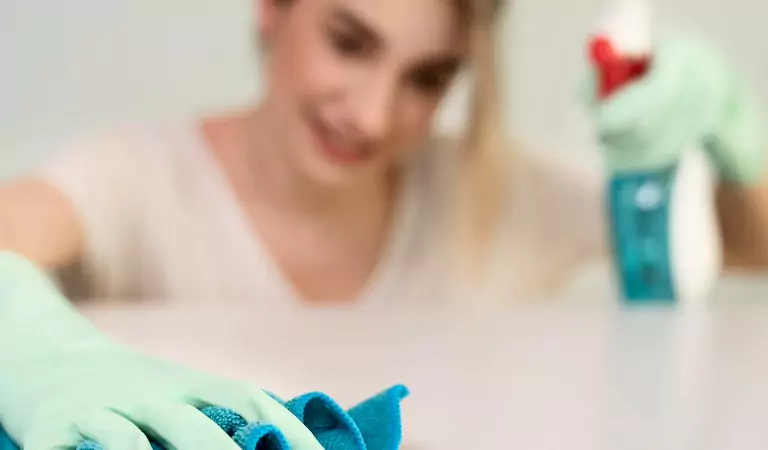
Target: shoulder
point(108, 177)
point(551, 215)
point(532, 173)
point(120, 183)
point(119, 154)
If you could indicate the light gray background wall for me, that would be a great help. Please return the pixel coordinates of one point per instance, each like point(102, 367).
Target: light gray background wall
point(75, 65)
point(69, 66)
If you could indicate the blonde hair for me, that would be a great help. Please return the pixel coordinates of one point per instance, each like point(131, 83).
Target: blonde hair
point(484, 153)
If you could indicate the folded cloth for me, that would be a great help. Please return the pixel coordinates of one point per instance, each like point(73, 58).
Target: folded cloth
point(374, 424)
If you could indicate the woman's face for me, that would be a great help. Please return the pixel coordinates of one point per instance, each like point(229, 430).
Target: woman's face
point(355, 84)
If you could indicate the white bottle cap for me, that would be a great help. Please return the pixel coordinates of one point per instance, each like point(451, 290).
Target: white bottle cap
point(627, 24)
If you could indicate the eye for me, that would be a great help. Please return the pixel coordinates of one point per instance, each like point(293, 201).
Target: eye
point(347, 44)
point(430, 81)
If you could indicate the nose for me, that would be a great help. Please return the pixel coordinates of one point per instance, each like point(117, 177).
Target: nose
point(374, 107)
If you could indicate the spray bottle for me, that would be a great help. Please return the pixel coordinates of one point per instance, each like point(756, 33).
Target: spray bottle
point(663, 222)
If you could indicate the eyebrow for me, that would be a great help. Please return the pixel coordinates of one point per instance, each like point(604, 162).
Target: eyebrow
point(357, 25)
point(347, 17)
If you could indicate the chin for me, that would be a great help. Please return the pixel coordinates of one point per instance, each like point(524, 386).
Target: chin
point(330, 165)
point(328, 173)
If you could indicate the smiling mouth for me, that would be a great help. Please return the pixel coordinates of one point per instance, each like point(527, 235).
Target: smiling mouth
point(336, 149)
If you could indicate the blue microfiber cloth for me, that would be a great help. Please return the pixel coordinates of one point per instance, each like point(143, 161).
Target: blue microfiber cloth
point(374, 424)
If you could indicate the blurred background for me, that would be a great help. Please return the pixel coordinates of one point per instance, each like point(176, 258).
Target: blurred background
point(564, 380)
point(77, 66)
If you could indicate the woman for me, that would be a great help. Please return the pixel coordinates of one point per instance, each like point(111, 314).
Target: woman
point(333, 189)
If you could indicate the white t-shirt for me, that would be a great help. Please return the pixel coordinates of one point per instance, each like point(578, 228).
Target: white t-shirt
point(162, 223)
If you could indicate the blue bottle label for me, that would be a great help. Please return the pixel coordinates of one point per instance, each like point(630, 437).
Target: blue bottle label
point(639, 208)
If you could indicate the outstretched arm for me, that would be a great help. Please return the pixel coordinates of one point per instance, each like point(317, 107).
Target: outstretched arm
point(37, 222)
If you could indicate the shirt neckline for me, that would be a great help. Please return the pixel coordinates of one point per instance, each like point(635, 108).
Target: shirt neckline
point(388, 266)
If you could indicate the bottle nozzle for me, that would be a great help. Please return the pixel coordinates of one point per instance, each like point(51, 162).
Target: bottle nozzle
point(621, 49)
point(627, 24)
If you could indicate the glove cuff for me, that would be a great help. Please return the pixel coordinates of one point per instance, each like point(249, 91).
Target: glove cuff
point(25, 288)
point(33, 309)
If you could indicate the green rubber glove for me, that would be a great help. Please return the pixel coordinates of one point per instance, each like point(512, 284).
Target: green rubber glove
point(692, 96)
point(62, 381)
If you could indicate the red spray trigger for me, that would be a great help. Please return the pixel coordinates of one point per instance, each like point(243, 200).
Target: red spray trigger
point(615, 71)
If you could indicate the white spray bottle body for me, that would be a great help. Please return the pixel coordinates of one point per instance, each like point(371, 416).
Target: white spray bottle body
point(663, 223)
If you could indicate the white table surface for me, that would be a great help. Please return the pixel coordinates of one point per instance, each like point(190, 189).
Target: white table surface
point(560, 376)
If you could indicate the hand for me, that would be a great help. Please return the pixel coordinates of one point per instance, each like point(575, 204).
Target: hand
point(691, 96)
point(63, 382)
